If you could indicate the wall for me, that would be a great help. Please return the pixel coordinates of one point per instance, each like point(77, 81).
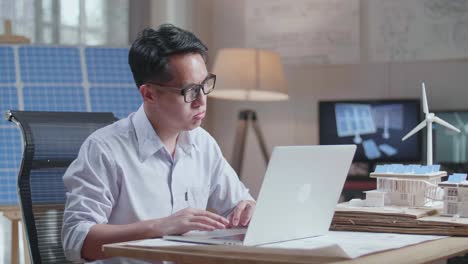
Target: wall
point(296, 122)
point(221, 24)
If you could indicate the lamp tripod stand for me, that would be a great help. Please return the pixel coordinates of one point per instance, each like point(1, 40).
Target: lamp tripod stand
point(245, 117)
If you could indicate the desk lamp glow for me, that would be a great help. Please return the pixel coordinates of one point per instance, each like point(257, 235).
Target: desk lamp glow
point(427, 122)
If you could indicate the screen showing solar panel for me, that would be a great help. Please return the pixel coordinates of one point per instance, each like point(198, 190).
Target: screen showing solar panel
point(119, 100)
point(108, 66)
point(47, 64)
point(7, 65)
point(375, 126)
point(46, 98)
point(450, 146)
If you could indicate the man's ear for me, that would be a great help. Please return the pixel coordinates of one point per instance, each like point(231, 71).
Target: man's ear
point(148, 94)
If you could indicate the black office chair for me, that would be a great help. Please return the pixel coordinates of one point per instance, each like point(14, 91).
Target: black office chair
point(51, 142)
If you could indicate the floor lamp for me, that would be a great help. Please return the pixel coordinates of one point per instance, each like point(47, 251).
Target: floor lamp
point(248, 75)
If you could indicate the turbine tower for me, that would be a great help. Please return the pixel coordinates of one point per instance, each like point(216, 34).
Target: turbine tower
point(427, 122)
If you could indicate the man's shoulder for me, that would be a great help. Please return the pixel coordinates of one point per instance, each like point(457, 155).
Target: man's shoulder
point(200, 136)
point(118, 129)
point(205, 142)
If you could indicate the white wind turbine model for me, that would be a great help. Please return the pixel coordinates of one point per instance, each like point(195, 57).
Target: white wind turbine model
point(427, 122)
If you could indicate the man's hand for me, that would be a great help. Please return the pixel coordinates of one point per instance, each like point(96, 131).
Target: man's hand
point(190, 219)
point(241, 214)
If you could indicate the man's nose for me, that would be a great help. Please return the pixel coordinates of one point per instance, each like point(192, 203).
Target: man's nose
point(200, 101)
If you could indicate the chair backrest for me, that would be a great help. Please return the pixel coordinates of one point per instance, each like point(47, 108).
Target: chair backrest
point(51, 142)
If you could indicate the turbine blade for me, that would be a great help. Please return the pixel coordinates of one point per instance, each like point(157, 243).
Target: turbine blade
point(425, 106)
point(445, 124)
point(416, 129)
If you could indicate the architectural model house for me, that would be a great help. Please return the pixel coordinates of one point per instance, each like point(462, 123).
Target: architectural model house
point(406, 185)
point(455, 195)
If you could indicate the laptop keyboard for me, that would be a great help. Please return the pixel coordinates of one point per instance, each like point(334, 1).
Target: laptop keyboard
point(229, 234)
point(238, 237)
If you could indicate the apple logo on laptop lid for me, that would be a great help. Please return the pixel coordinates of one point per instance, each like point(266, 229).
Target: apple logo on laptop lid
point(303, 192)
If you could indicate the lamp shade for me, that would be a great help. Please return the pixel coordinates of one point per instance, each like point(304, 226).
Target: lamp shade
point(249, 75)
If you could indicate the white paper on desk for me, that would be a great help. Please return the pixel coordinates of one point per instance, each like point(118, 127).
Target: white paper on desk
point(355, 244)
point(314, 247)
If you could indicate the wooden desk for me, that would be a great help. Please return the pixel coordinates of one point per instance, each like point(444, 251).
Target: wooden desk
point(420, 253)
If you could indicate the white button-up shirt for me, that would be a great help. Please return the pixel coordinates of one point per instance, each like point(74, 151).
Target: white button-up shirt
point(124, 174)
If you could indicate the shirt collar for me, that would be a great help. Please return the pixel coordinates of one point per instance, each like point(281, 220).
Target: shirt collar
point(149, 141)
point(186, 142)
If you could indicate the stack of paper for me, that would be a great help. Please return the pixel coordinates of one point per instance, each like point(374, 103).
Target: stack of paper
point(395, 219)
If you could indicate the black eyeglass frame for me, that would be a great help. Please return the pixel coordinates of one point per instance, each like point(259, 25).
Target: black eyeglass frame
point(184, 90)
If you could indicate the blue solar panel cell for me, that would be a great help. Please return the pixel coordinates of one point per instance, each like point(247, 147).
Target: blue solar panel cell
point(8, 98)
point(7, 65)
point(10, 147)
point(108, 65)
point(352, 119)
point(54, 99)
point(8, 195)
point(10, 160)
point(120, 100)
point(50, 65)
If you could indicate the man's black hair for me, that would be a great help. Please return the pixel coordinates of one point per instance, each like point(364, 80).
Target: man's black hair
point(149, 55)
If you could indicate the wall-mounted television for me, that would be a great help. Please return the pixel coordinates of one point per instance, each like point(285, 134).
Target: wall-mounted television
point(375, 126)
point(450, 146)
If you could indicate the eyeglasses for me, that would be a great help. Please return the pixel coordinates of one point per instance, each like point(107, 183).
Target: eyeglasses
point(191, 91)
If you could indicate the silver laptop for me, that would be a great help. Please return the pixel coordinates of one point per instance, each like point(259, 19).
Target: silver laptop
point(297, 199)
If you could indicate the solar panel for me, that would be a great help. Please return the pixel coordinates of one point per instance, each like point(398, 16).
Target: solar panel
point(8, 98)
point(10, 159)
point(10, 143)
point(50, 64)
point(119, 100)
point(7, 65)
point(58, 78)
point(54, 98)
point(108, 66)
point(352, 119)
point(8, 194)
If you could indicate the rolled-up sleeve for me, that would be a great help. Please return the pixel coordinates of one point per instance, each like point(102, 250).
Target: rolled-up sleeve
point(226, 189)
point(92, 187)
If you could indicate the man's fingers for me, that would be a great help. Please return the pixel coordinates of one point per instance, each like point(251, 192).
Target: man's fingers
point(200, 226)
point(212, 216)
point(246, 214)
point(208, 221)
point(237, 213)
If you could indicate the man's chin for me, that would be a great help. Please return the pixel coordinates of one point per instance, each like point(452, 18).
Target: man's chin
point(194, 125)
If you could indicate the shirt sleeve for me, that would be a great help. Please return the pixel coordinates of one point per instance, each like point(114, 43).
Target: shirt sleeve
point(226, 189)
point(92, 188)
